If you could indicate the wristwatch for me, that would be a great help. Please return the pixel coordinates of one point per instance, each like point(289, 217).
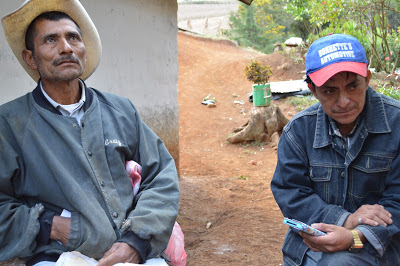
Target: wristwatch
point(357, 244)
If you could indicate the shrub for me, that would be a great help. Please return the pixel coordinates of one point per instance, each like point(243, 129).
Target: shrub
point(257, 73)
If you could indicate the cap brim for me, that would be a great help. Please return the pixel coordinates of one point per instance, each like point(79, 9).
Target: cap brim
point(16, 23)
point(321, 76)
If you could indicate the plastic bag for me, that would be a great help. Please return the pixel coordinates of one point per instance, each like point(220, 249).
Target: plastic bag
point(176, 247)
point(74, 258)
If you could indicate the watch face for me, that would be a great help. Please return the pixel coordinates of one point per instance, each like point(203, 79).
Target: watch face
point(355, 248)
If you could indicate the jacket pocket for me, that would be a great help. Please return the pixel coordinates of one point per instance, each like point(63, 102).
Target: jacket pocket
point(321, 177)
point(367, 177)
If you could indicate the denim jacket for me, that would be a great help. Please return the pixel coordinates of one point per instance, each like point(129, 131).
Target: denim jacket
point(315, 181)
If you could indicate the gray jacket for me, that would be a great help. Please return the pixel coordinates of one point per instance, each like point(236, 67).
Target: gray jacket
point(48, 162)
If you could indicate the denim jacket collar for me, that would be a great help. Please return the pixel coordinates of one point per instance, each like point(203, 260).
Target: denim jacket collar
point(375, 120)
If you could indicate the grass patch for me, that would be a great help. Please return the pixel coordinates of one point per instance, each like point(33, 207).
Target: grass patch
point(258, 144)
point(301, 103)
point(393, 92)
point(254, 143)
point(242, 177)
point(249, 152)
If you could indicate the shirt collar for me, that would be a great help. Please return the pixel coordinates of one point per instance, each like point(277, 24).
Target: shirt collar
point(375, 120)
point(334, 129)
point(56, 104)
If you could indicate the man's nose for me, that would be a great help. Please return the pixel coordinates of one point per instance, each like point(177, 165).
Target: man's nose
point(64, 46)
point(343, 99)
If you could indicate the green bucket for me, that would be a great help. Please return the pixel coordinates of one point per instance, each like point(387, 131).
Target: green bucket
point(261, 95)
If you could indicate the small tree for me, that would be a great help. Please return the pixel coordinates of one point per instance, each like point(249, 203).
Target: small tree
point(260, 25)
point(257, 72)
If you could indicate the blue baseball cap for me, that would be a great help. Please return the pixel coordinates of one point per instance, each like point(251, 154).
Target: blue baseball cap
point(332, 54)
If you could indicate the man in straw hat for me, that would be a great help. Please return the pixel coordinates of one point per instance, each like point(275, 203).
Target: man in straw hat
point(63, 148)
point(339, 165)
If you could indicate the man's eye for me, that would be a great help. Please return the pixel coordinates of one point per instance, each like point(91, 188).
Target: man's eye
point(75, 38)
point(353, 87)
point(50, 40)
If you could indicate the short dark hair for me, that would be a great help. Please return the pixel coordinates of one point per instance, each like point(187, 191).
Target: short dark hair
point(53, 16)
point(309, 81)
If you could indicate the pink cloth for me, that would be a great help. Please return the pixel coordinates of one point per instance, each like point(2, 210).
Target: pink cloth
point(134, 171)
point(176, 245)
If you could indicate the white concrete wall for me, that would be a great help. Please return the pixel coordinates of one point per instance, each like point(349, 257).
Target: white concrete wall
point(140, 60)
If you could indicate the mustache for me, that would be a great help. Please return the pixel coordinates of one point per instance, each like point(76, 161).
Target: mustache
point(67, 58)
point(344, 110)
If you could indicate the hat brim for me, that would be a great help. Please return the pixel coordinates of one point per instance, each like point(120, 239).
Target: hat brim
point(16, 23)
point(321, 76)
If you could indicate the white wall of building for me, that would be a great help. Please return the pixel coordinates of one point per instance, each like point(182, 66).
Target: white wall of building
point(140, 60)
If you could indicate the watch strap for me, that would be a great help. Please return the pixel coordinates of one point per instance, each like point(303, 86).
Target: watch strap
point(357, 244)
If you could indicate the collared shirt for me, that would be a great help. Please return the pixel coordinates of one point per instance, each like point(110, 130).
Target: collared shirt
point(72, 110)
point(345, 142)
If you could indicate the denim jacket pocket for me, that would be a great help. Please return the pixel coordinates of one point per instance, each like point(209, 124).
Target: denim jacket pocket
point(321, 177)
point(367, 175)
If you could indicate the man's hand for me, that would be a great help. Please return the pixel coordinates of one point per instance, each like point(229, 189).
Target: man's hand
point(60, 229)
point(373, 215)
point(337, 238)
point(120, 253)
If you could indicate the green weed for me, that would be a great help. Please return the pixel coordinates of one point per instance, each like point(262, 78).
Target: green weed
point(301, 103)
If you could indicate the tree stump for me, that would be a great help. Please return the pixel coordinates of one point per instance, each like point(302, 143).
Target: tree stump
point(264, 124)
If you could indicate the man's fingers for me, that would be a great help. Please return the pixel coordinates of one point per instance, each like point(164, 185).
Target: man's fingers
point(379, 210)
point(120, 253)
point(311, 246)
point(368, 222)
point(110, 251)
point(110, 260)
point(377, 215)
point(373, 215)
point(376, 220)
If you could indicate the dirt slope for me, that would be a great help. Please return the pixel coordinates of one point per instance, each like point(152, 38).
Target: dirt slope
point(222, 184)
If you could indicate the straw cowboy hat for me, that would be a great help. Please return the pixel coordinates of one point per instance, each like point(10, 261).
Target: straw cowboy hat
point(16, 23)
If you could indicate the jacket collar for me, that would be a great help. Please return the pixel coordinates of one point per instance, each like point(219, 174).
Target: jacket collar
point(41, 100)
point(375, 119)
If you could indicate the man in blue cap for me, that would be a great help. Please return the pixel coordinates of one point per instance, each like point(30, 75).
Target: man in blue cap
point(339, 166)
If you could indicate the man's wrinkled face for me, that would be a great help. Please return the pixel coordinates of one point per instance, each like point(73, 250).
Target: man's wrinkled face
point(59, 52)
point(343, 96)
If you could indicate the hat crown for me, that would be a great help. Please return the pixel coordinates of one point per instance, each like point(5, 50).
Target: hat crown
point(333, 49)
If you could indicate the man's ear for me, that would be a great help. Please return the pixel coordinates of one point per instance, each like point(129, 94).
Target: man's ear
point(368, 78)
point(27, 55)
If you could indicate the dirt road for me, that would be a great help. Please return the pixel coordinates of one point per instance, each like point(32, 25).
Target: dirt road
point(208, 19)
point(224, 185)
